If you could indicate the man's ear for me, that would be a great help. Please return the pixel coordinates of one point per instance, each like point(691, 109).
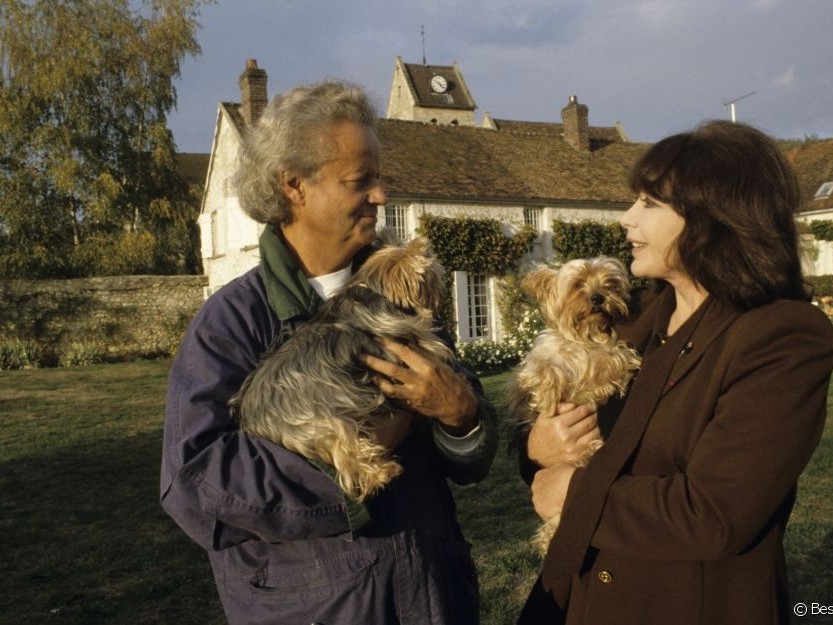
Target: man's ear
point(292, 186)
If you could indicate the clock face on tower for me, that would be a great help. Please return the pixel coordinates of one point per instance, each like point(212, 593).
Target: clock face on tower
point(439, 84)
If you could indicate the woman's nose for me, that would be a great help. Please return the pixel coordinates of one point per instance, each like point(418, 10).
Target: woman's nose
point(626, 218)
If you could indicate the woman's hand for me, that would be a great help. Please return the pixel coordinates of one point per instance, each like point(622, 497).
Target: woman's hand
point(549, 489)
point(564, 437)
point(425, 385)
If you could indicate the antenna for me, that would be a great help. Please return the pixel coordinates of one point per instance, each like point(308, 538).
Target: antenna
point(731, 104)
point(422, 31)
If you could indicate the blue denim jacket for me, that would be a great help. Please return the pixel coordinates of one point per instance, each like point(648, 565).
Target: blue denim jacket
point(284, 544)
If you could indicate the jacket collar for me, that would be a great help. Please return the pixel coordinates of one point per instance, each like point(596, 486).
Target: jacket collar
point(287, 289)
point(690, 341)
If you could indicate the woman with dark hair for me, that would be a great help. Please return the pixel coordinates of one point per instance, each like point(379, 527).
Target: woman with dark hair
point(680, 517)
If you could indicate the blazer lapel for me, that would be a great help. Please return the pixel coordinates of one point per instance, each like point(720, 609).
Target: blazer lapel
point(715, 321)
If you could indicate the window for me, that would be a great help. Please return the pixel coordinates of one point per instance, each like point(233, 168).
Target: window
point(215, 234)
point(478, 306)
point(534, 217)
point(473, 298)
point(824, 191)
point(396, 217)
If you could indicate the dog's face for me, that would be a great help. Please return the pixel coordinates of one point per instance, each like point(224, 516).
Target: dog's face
point(581, 298)
point(408, 275)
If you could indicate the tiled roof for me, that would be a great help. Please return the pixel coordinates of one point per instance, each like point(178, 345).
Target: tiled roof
point(471, 163)
point(192, 166)
point(600, 136)
point(813, 162)
point(233, 110)
point(515, 164)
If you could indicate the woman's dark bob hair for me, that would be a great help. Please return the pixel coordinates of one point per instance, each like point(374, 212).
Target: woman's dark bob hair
point(738, 195)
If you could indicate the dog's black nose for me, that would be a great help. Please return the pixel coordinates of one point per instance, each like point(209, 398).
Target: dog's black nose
point(597, 299)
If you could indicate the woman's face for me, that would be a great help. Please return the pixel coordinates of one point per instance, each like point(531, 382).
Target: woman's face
point(652, 230)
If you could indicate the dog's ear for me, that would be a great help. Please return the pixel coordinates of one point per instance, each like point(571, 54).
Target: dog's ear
point(420, 246)
point(539, 282)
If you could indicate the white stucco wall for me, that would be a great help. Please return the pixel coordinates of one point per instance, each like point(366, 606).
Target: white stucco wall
point(817, 259)
point(460, 117)
point(229, 237)
point(401, 100)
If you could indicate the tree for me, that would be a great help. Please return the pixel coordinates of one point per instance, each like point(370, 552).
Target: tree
point(88, 182)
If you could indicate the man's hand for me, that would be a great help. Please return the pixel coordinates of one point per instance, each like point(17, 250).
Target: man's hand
point(425, 385)
point(563, 437)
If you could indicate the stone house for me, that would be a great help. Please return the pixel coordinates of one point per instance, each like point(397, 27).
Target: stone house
point(437, 159)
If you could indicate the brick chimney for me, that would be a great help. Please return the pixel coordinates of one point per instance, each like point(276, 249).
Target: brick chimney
point(253, 98)
point(576, 125)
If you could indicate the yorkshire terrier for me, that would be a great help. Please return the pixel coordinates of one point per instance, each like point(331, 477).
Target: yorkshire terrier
point(578, 357)
point(313, 396)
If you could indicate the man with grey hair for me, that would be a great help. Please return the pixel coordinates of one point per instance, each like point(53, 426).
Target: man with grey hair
point(285, 544)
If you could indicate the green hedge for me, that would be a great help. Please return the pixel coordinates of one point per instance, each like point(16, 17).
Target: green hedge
point(476, 245)
point(822, 285)
point(586, 239)
point(822, 229)
point(473, 246)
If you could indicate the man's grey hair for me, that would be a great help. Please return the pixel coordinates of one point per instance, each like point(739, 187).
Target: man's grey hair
point(292, 136)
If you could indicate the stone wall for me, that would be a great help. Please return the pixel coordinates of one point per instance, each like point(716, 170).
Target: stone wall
point(117, 317)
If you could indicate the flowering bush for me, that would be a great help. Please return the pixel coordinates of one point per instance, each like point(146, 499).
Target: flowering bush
point(484, 356)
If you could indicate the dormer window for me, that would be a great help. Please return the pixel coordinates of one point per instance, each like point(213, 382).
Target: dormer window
point(825, 191)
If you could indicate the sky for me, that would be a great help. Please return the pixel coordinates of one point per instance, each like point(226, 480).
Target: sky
point(658, 67)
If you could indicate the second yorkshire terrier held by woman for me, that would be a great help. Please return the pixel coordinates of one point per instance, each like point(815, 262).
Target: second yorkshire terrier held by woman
point(680, 517)
point(578, 358)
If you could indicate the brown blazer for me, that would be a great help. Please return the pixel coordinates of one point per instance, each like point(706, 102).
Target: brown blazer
point(685, 506)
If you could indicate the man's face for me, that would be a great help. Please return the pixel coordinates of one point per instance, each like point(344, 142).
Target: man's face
point(341, 201)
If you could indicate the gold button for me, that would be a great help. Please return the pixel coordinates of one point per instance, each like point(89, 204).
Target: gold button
point(605, 577)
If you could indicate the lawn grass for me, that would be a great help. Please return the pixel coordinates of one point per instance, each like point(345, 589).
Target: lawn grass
point(82, 535)
point(84, 541)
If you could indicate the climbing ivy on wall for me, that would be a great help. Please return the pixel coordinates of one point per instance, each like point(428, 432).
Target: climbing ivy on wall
point(586, 239)
point(475, 245)
point(822, 229)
